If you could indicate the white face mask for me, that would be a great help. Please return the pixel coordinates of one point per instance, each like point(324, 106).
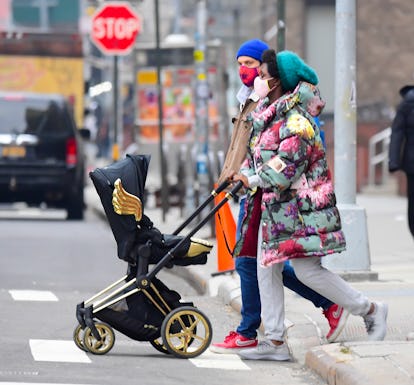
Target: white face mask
point(261, 87)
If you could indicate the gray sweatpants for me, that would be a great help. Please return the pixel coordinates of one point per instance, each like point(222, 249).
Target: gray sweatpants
point(310, 272)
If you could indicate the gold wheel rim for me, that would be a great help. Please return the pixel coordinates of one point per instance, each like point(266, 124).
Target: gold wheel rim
point(159, 345)
point(191, 323)
point(99, 346)
point(78, 337)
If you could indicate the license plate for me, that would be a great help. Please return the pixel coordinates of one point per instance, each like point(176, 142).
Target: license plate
point(13, 152)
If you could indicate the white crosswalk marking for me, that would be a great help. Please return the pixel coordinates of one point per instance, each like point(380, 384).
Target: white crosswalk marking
point(33, 295)
point(219, 361)
point(57, 351)
point(35, 383)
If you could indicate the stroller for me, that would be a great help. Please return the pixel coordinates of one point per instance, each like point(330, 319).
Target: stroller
point(139, 305)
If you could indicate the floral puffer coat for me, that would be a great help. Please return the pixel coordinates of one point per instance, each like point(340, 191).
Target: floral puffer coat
point(296, 204)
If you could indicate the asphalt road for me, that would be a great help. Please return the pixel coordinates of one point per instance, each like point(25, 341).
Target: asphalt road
point(48, 265)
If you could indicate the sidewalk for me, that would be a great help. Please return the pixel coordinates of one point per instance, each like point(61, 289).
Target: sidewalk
point(355, 361)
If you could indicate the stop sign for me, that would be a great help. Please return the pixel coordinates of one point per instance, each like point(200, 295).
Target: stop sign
point(114, 28)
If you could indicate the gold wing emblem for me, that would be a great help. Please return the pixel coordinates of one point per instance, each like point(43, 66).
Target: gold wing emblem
point(125, 203)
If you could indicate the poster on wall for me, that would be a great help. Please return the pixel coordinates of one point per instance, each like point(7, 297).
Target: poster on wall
point(178, 106)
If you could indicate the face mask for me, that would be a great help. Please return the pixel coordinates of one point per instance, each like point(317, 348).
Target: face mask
point(247, 75)
point(261, 87)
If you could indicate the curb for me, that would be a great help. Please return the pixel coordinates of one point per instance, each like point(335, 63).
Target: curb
point(333, 363)
point(197, 280)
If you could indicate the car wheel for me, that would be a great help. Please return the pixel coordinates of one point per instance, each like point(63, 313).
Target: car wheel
point(75, 205)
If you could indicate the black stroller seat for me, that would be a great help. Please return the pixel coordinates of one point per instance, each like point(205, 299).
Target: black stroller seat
point(121, 188)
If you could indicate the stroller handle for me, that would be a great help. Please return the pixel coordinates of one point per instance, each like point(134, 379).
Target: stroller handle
point(215, 192)
point(222, 186)
point(170, 254)
point(236, 188)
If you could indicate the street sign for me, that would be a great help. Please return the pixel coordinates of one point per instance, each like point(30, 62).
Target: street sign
point(114, 28)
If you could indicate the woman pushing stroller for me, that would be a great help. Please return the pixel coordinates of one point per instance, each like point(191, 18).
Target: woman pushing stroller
point(290, 187)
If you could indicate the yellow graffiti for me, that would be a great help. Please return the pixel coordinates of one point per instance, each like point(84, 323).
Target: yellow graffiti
point(45, 75)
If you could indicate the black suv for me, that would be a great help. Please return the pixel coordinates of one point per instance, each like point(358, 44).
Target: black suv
point(41, 155)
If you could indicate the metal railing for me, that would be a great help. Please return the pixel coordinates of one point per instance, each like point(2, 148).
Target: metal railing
point(378, 156)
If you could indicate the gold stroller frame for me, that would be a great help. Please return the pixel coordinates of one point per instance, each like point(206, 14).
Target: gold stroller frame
point(185, 331)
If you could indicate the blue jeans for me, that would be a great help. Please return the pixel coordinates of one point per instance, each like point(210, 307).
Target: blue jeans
point(251, 307)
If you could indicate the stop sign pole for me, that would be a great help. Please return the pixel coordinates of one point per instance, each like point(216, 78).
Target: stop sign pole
point(115, 27)
point(116, 114)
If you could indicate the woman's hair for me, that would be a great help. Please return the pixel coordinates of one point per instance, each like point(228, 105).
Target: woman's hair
point(269, 57)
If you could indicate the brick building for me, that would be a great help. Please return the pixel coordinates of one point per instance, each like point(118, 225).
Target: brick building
point(384, 56)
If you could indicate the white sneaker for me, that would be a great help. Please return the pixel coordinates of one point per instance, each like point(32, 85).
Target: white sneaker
point(376, 322)
point(266, 350)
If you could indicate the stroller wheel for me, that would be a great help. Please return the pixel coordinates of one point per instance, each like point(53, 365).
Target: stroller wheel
point(158, 345)
point(102, 346)
point(186, 332)
point(78, 338)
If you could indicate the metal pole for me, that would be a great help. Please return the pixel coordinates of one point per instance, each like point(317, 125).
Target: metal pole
point(202, 91)
point(281, 25)
point(202, 95)
point(345, 102)
point(135, 110)
point(237, 34)
point(355, 262)
point(164, 186)
point(262, 18)
point(177, 17)
point(115, 146)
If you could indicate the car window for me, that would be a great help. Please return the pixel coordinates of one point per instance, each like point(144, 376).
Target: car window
point(32, 116)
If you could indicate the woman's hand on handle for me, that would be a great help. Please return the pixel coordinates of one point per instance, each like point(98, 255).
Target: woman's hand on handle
point(240, 177)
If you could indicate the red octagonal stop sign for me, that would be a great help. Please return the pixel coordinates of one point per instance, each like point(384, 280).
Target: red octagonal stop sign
point(114, 28)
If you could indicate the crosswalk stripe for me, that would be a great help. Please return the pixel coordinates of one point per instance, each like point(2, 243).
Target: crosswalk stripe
point(57, 351)
point(36, 383)
point(33, 295)
point(219, 361)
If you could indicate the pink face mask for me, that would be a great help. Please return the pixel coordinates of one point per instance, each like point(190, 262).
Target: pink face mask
point(247, 75)
point(261, 87)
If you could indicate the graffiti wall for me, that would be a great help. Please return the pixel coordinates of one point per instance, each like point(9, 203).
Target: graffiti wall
point(45, 75)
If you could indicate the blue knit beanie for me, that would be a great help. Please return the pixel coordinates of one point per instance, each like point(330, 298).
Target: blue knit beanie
point(252, 48)
point(292, 69)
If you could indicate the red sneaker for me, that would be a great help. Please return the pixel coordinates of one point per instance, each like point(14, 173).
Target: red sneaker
point(233, 343)
point(336, 316)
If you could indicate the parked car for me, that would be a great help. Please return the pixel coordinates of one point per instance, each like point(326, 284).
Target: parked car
point(41, 152)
